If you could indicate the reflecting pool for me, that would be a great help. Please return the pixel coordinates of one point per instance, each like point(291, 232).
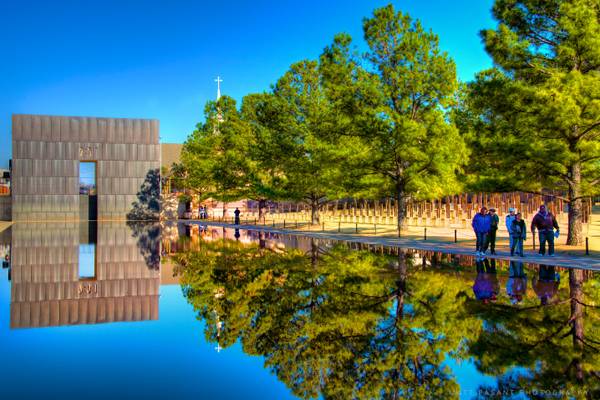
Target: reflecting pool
point(175, 310)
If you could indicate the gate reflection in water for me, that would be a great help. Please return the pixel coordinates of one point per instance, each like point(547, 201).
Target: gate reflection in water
point(79, 273)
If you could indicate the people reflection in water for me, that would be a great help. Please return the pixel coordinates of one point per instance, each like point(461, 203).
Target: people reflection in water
point(545, 285)
point(237, 234)
point(516, 286)
point(486, 286)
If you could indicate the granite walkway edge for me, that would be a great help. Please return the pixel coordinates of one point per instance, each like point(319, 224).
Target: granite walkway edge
point(566, 261)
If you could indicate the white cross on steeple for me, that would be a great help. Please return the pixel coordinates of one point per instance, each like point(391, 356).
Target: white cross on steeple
point(218, 80)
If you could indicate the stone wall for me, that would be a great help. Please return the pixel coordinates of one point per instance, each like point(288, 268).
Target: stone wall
point(46, 155)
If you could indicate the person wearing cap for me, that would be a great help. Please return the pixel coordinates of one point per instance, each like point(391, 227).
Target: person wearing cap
point(494, 222)
point(508, 221)
point(518, 233)
point(545, 223)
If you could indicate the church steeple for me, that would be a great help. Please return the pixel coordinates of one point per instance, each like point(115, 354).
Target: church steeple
point(219, 115)
point(218, 80)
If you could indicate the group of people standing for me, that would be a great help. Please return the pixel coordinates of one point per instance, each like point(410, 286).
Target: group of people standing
point(202, 212)
point(485, 224)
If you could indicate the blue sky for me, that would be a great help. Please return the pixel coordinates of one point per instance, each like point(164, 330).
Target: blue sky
point(145, 59)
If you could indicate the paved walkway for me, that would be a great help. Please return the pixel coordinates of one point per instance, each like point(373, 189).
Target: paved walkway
point(560, 260)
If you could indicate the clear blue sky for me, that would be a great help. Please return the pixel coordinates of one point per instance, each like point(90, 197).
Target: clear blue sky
point(144, 59)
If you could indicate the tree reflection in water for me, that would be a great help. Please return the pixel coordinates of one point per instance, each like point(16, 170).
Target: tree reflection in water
point(341, 323)
point(557, 342)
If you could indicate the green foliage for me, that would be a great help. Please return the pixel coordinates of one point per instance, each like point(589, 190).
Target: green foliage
point(335, 322)
point(556, 344)
point(339, 323)
point(332, 128)
point(267, 178)
point(534, 120)
point(411, 149)
point(215, 155)
point(294, 127)
point(184, 198)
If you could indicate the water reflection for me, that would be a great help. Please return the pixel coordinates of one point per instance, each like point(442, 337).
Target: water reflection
point(545, 283)
point(329, 319)
point(335, 322)
point(72, 273)
point(516, 286)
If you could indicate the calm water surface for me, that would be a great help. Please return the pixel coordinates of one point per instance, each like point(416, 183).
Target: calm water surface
point(147, 311)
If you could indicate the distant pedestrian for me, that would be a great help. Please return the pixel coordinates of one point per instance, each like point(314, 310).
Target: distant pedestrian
point(481, 225)
point(518, 235)
point(237, 216)
point(508, 222)
point(545, 223)
point(516, 286)
point(494, 222)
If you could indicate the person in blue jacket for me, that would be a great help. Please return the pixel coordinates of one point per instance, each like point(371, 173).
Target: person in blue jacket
point(482, 223)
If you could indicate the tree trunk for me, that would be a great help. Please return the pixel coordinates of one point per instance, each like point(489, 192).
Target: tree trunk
point(576, 294)
point(314, 211)
point(224, 210)
point(314, 252)
point(401, 285)
point(575, 232)
point(401, 207)
point(262, 206)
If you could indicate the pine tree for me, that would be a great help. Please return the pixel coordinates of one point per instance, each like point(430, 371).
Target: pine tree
point(215, 154)
point(412, 147)
point(537, 113)
point(294, 126)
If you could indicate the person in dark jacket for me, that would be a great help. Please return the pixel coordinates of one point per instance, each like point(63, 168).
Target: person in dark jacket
point(518, 235)
point(545, 223)
point(481, 225)
point(494, 221)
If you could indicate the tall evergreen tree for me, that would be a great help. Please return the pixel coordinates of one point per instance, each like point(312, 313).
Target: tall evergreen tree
point(267, 179)
point(537, 114)
point(412, 147)
point(295, 124)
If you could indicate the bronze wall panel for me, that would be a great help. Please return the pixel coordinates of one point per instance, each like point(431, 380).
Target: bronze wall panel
point(47, 149)
point(46, 289)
